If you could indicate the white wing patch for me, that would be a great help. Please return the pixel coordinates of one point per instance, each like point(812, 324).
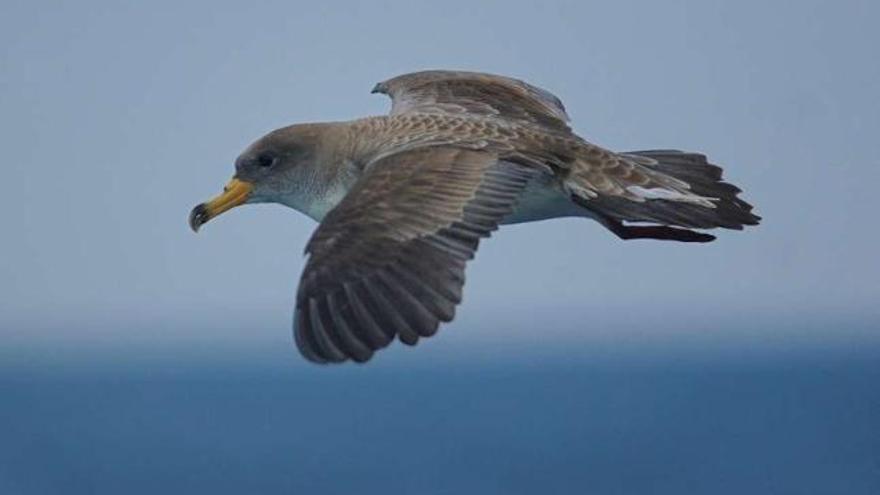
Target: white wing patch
point(671, 195)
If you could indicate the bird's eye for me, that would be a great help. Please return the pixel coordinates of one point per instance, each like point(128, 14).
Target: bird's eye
point(265, 160)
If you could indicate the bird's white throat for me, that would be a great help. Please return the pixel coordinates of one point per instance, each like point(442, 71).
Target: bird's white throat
point(318, 196)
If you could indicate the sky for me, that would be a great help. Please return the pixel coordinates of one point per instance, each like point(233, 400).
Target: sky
point(116, 118)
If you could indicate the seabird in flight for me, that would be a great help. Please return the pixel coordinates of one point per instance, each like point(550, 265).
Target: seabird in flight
point(403, 200)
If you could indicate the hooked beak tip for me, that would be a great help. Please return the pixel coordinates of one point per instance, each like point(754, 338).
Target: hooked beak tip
point(198, 217)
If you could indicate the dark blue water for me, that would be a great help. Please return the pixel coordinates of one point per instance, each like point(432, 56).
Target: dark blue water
point(798, 425)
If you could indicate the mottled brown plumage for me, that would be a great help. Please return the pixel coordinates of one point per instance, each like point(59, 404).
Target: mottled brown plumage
point(404, 199)
point(389, 259)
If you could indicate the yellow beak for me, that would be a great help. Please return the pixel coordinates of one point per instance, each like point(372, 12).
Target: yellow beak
point(234, 194)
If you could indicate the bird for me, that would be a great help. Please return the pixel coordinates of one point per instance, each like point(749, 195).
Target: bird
point(403, 200)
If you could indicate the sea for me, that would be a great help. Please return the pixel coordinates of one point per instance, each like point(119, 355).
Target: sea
point(659, 422)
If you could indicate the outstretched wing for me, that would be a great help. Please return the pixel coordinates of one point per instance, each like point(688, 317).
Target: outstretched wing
point(389, 259)
point(453, 92)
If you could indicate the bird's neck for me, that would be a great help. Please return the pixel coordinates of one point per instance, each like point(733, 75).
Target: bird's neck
point(345, 151)
point(336, 167)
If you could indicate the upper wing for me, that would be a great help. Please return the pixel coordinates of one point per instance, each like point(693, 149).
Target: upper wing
point(389, 259)
point(476, 93)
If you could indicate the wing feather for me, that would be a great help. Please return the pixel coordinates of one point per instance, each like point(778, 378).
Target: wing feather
point(474, 93)
point(389, 260)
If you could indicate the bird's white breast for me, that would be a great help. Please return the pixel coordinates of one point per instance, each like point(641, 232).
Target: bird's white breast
point(542, 200)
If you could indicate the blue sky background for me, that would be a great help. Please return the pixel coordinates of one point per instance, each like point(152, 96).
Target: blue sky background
point(118, 117)
point(137, 357)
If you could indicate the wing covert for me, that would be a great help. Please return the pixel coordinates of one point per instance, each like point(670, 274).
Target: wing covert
point(389, 260)
point(459, 92)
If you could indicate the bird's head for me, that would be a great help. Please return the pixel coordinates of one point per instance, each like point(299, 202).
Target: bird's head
point(277, 168)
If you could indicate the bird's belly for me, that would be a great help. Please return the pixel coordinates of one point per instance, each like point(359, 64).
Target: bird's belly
point(541, 201)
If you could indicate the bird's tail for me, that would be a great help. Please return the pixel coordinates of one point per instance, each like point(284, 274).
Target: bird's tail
point(703, 179)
